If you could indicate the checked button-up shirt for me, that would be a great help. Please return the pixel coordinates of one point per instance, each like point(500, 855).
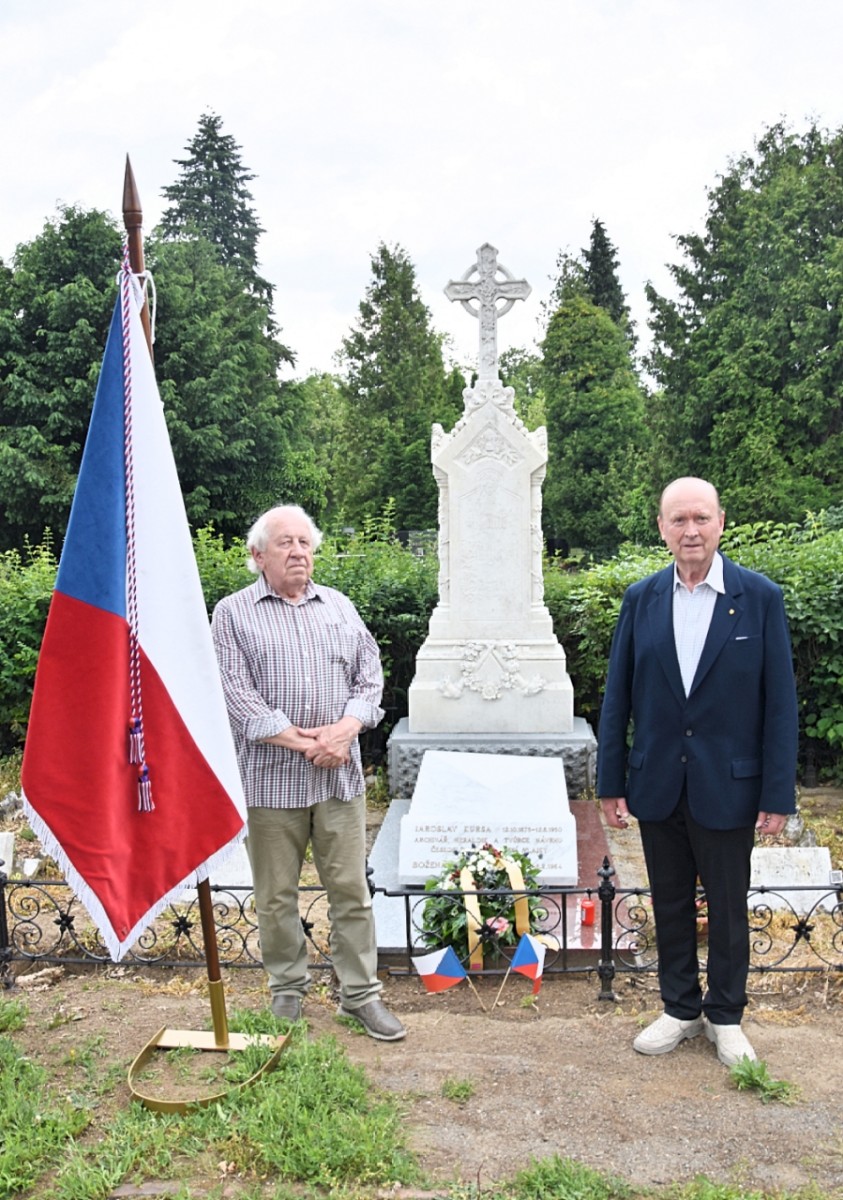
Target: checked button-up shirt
point(306, 664)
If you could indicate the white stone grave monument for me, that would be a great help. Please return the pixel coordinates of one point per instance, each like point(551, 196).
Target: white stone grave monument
point(491, 676)
point(785, 867)
point(491, 683)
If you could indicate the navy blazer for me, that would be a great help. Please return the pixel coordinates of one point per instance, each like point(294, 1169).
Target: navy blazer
point(732, 742)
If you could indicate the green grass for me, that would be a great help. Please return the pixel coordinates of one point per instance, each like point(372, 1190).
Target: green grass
point(37, 1127)
point(12, 1014)
point(315, 1120)
point(313, 1128)
point(458, 1090)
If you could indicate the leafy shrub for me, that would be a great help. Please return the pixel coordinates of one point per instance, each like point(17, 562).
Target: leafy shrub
point(26, 584)
point(584, 607)
point(222, 568)
point(807, 563)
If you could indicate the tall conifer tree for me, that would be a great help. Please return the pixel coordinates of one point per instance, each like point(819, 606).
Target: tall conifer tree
point(601, 276)
point(395, 387)
point(210, 199)
point(595, 426)
point(750, 355)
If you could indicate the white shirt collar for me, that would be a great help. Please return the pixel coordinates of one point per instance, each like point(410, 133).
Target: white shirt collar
point(714, 578)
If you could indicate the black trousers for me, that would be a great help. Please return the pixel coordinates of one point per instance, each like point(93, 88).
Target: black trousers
point(676, 851)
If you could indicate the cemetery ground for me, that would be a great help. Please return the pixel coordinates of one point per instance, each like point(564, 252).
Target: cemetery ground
point(477, 1096)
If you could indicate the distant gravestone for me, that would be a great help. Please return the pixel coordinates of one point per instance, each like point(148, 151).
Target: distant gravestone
point(465, 800)
point(7, 853)
point(784, 867)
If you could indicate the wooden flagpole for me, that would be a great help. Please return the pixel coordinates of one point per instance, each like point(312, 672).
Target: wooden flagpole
point(167, 1039)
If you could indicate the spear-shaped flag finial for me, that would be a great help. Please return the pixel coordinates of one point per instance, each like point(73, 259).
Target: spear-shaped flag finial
point(133, 221)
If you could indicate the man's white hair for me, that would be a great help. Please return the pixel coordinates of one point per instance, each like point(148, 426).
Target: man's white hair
point(258, 536)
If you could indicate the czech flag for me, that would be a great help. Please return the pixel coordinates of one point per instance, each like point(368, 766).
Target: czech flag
point(528, 960)
point(439, 970)
point(129, 776)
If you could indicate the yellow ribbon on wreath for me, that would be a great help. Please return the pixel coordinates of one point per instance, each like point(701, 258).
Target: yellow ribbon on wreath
point(473, 921)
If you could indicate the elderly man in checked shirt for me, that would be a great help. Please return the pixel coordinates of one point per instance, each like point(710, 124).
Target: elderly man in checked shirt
point(701, 664)
point(302, 676)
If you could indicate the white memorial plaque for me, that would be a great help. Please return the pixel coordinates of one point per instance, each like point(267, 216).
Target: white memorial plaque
point(464, 800)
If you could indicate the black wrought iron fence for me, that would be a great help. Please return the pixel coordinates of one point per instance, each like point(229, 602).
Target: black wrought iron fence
point(793, 929)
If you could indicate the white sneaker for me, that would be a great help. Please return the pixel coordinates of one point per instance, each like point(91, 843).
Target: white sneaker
point(731, 1042)
point(665, 1034)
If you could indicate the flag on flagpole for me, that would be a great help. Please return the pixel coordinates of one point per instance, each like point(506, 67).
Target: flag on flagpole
point(129, 775)
point(528, 960)
point(439, 970)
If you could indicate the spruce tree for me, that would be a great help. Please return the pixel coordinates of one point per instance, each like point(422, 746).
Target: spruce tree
point(594, 276)
point(395, 387)
point(210, 199)
point(601, 275)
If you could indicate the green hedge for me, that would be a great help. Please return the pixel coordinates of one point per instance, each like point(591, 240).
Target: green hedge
point(396, 590)
point(26, 584)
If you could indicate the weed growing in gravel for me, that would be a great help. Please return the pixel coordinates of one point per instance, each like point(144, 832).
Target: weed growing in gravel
point(458, 1090)
point(753, 1076)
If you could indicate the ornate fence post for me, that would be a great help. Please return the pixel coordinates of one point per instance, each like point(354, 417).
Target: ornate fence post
point(606, 965)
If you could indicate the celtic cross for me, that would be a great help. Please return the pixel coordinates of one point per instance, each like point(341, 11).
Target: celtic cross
point(487, 289)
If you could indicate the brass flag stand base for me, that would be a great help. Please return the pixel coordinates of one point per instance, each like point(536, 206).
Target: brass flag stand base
point(169, 1039)
point(218, 1040)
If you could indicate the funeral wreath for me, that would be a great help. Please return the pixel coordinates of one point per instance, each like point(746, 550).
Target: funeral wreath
point(501, 914)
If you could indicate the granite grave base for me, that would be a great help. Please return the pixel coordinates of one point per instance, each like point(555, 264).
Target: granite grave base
point(577, 749)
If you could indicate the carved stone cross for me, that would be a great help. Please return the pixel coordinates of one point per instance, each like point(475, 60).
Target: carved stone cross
point(487, 290)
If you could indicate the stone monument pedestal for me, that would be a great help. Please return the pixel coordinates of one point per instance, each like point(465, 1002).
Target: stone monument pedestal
point(577, 749)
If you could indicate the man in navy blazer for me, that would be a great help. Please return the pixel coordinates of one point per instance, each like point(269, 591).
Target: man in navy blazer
point(701, 664)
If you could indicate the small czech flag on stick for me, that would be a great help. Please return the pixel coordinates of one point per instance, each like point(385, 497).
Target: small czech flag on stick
point(439, 970)
point(528, 960)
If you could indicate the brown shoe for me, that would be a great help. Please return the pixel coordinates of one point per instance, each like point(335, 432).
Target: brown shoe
point(286, 1007)
point(377, 1021)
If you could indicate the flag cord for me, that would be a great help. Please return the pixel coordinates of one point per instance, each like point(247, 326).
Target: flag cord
point(144, 281)
point(137, 747)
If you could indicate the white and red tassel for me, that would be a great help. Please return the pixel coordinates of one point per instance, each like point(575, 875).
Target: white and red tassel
point(144, 790)
point(135, 741)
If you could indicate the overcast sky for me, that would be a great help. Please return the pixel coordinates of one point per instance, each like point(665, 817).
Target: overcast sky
point(434, 124)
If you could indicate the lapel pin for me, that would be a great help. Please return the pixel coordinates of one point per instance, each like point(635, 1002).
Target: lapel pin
point(731, 612)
